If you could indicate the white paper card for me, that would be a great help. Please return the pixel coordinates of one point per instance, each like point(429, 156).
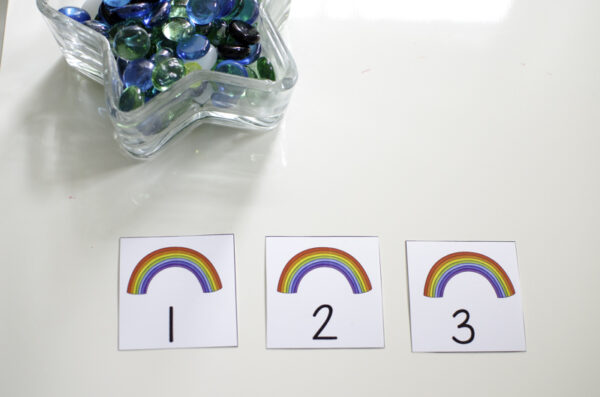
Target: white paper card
point(464, 296)
point(323, 292)
point(177, 292)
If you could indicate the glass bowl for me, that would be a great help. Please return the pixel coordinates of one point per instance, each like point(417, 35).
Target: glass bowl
point(187, 103)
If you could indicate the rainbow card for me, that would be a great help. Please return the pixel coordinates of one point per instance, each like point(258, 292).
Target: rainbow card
point(323, 292)
point(464, 296)
point(177, 292)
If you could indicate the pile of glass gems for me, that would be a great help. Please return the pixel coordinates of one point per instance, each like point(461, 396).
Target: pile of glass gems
point(157, 42)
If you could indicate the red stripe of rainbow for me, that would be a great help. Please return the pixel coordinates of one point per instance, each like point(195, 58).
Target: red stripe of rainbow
point(459, 262)
point(313, 258)
point(168, 257)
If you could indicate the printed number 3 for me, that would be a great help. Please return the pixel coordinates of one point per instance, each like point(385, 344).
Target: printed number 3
point(317, 335)
point(464, 325)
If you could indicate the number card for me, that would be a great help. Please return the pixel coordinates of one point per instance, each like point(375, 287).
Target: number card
point(323, 292)
point(177, 292)
point(464, 296)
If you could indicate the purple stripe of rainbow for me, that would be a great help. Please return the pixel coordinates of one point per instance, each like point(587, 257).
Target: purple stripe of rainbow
point(468, 267)
point(178, 262)
point(330, 263)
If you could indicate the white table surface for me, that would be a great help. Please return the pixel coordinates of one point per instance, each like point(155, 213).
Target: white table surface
point(433, 119)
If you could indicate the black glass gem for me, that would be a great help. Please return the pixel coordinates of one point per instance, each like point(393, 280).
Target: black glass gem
point(243, 32)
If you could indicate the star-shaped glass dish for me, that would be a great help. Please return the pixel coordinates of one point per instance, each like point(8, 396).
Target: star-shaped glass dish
point(187, 103)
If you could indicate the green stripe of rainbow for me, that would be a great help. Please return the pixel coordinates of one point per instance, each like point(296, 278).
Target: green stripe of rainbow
point(313, 258)
point(459, 262)
point(168, 257)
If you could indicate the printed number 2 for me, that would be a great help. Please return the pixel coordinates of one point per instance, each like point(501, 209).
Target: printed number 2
point(317, 335)
point(464, 325)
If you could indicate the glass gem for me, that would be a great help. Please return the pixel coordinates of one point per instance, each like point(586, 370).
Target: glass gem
point(177, 29)
point(134, 11)
point(131, 42)
point(179, 2)
point(160, 13)
point(131, 99)
point(191, 66)
point(121, 65)
point(161, 54)
point(243, 32)
point(235, 52)
point(98, 26)
point(139, 74)
point(234, 9)
point(226, 7)
point(255, 50)
point(251, 73)
point(116, 28)
point(247, 11)
point(178, 12)
point(232, 67)
point(265, 69)
point(218, 32)
point(209, 60)
point(76, 13)
point(202, 12)
point(193, 47)
point(167, 72)
point(116, 3)
point(108, 14)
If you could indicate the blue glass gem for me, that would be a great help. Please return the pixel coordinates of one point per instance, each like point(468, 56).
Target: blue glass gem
point(116, 3)
point(247, 11)
point(98, 26)
point(193, 47)
point(233, 91)
point(134, 11)
point(121, 65)
point(76, 13)
point(107, 14)
point(232, 67)
point(160, 13)
point(225, 7)
point(202, 12)
point(139, 73)
point(255, 50)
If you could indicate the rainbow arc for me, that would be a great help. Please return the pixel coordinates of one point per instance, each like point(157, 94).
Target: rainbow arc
point(323, 257)
point(157, 261)
point(459, 262)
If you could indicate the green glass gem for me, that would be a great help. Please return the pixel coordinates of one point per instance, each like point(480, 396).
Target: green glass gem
point(217, 33)
point(167, 72)
point(119, 25)
point(175, 3)
point(251, 73)
point(131, 99)
point(177, 29)
point(192, 67)
point(178, 12)
point(265, 69)
point(131, 42)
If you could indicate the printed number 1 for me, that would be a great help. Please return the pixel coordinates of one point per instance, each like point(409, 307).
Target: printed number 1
point(317, 335)
point(464, 325)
